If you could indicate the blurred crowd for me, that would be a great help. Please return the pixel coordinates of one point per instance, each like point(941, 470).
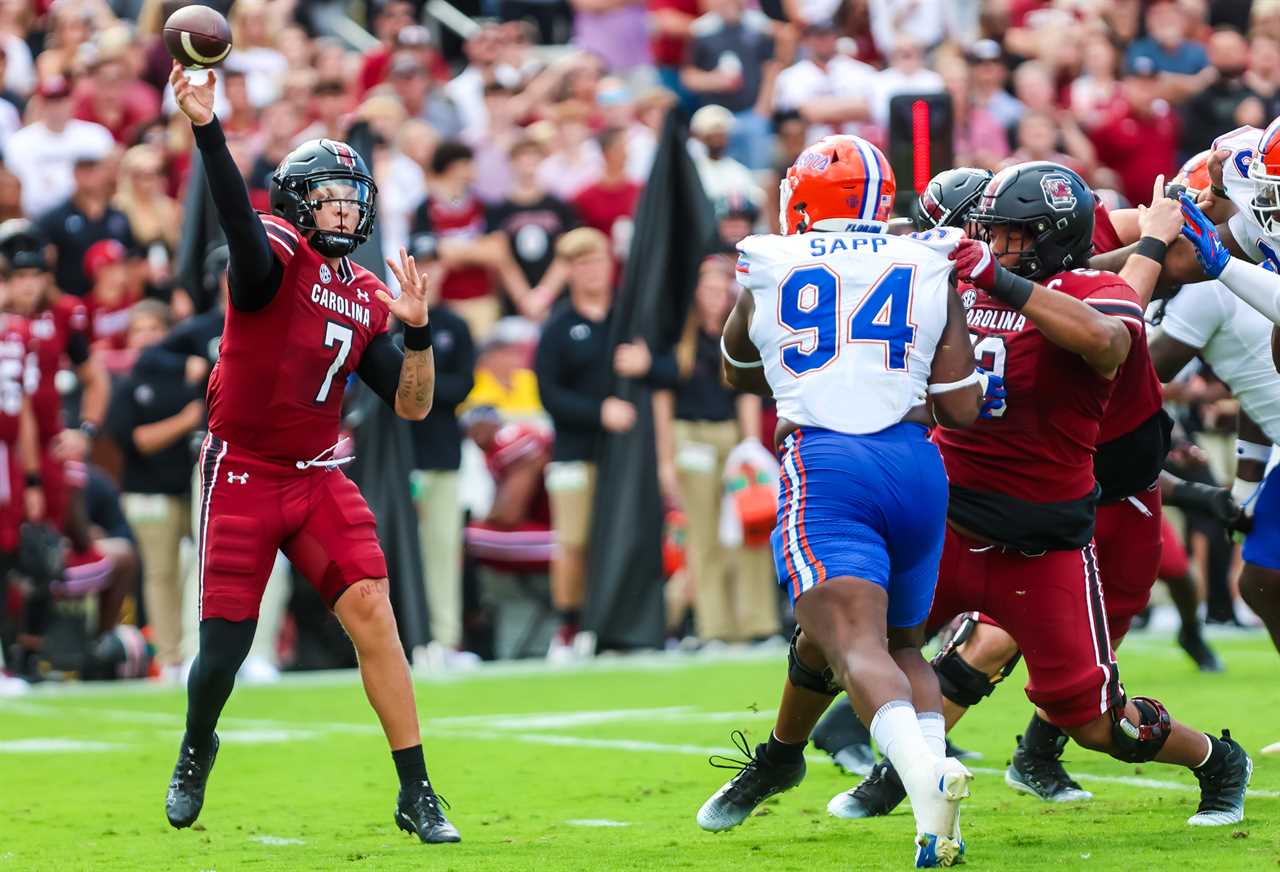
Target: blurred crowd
point(511, 143)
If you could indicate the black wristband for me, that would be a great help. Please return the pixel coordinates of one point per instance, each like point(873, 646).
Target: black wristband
point(1011, 289)
point(1152, 248)
point(89, 429)
point(417, 338)
point(33, 479)
point(1217, 190)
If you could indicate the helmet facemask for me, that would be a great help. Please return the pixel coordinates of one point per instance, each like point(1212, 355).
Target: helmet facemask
point(1020, 240)
point(350, 197)
point(1265, 204)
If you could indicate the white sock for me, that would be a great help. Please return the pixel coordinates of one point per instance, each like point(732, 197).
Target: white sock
point(934, 728)
point(898, 735)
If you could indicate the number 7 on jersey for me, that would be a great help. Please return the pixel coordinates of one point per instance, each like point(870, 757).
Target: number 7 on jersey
point(339, 335)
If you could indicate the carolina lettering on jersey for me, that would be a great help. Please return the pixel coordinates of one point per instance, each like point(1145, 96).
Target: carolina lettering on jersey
point(342, 305)
point(1025, 478)
point(845, 315)
point(282, 370)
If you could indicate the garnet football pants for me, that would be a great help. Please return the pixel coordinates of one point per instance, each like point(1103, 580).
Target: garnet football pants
point(250, 507)
point(1128, 538)
point(1052, 605)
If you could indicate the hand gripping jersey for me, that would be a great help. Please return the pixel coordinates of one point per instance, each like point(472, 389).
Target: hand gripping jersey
point(1025, 478)
point(1133, 440)
point(1243, 144)
point(277, 387)
point(847, 323)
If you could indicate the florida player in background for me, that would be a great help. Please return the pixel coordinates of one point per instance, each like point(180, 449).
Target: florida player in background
point(302, 318)
point(833, 307)
point(1063, 336)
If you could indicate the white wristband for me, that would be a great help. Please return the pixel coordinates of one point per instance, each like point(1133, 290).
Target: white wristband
point(1252, 451)
point(1244, 492)
point(945, 387)
point(753, 364)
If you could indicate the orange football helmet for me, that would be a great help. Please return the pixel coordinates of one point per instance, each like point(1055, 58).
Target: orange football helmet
point(1195, 172)
point(837, 182)
point(1264, 170)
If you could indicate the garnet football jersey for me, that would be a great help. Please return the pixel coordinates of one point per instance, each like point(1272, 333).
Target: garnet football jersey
point(277, 387)
point(1138, 394)
point(18, 375)
point(51, 336)
point(512, 444)
point(1039, 448)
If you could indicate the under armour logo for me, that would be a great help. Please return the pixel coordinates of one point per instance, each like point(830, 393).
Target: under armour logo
point(242, 478)
point(364, 298)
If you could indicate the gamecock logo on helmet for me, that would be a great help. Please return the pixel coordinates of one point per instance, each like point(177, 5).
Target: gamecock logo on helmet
point(1058, 193)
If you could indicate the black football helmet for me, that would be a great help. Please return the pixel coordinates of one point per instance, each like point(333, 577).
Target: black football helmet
point(947, 199)
point(1051, 206)
point(23, 246)
point(324, 167)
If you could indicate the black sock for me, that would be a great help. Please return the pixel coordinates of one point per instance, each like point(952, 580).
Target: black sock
point(1216, 756)
point(782, 752)
point(1042, 738)
point(223, 647)
point(570, 617)
point(411, 767)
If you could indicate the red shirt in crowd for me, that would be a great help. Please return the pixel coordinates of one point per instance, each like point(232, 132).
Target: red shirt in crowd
point(139, 105)
point(1138, 148)
point(608, 208)
point(438, 219)
point(669, 51)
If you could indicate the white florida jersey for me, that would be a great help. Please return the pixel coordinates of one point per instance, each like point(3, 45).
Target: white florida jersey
point(1248, 233)
point(1234, 339)
point(847, 323)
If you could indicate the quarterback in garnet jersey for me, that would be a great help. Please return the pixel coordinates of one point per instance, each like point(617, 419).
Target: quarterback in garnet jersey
point(302, 318)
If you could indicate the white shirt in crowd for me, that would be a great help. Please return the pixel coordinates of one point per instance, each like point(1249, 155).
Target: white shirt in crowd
point(925, 22)
point(19, 66)
point(722, 179)
point(891, 83)
point(45, 161)
point(805, 80)
point(402, 186)
point(466, 90)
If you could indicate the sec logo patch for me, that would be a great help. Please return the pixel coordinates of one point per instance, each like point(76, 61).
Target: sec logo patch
point(325, 275)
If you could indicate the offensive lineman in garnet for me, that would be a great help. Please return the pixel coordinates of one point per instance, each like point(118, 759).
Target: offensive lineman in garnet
point(302, 318)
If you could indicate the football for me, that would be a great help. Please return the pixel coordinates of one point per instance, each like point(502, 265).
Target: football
point(197, 37)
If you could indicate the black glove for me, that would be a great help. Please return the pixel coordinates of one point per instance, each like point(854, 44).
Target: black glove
point(1214, 501)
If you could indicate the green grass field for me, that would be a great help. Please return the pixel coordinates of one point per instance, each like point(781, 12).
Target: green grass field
point(601, 768)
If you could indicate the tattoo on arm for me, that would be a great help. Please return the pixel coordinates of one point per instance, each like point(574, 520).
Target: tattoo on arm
point(417, 380)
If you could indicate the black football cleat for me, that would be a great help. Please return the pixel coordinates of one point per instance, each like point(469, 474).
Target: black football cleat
point(1043, 775)
point(418, 811)
point(758, 779)
point(185, 798)
point(878, 794)
point(1222, 789)
point(1192, 641)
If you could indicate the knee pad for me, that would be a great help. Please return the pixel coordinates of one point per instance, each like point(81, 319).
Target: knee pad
point(1141, 742)
point(960, 682)
point(800, 675)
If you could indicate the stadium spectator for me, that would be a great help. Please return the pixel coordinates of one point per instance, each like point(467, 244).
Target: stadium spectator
point(83, 219)
point(1262, 76)
point(1038, 139)
point(505, 379)
point(467, 88)
point(111, 95)
point(420, 95)
point(987, 85)
point(609, 203)
point(731, 64)
point(977, 137)
point(43, 154)
point(906, 74)
point(574, 378)
point(736, 219)
point(264, 65)
point(1227, 102)
point(574, 160)
point(531, 218)
point(832, 92)
point(722, 177)
point(1138, 138)
point(1166, 44)
point(698, 425)
point(437, 452)
point(609, 29)
point(1099, 85)
point(924, 22)
point(670, 26)
point(155, 218)
point(152, 417)
point(111, 296)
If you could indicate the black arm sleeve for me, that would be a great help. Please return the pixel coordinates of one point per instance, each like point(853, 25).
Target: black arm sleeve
point(380, 367)
point(254, 271)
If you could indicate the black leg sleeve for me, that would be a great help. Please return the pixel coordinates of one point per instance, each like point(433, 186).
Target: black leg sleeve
point(223, 647)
